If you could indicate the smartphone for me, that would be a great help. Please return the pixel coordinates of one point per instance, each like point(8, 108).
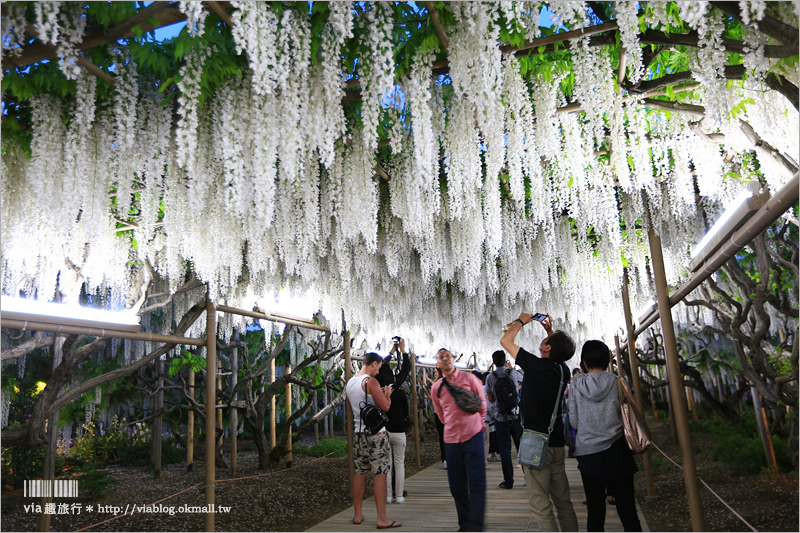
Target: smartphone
point(539, 317)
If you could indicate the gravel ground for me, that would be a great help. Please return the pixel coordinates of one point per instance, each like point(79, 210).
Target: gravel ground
point(767, 503)
point(315, 489)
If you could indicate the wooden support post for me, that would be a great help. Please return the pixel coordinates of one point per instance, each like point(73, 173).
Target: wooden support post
point(288, 415)
point(647, 457)
point(619, 357)
point(234, 410)
point(190, 428)
point(690, 400)
point(348, 373)
point(763, 430)
point(414, 408)
point(219, 411)
point(326, 421)
point(316, 424)
point(49, 470)
point(676, 383)
point(211, 403)
point(272, 416)
point(158, 408)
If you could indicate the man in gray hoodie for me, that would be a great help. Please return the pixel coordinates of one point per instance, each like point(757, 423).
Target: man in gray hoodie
point(604, 459)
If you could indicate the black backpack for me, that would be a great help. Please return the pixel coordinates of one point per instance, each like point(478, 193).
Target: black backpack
point(505, 393)
point(372, 418)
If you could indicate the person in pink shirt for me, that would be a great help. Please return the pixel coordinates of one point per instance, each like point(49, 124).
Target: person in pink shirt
point(463, 443)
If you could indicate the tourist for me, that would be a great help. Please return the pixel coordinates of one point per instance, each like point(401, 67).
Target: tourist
point(604, 459)
point(543, 376)
point(503, 397)
point(463, 443)
point(398, 412)
point(370, 452)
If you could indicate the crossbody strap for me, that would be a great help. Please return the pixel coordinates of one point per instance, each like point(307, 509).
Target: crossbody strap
point(558, 397)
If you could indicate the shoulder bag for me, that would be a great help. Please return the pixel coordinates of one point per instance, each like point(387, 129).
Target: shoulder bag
point(466, 400)
point(637, 433)
point(372, 418)
point(533, 444)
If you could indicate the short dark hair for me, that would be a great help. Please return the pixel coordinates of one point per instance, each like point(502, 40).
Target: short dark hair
point(372, 357)
point(595, 355)
point(499, 358)
point(576, 370)
point(562, 347)
point(385, 375)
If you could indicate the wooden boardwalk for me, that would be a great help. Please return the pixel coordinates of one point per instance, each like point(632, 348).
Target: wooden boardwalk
point(429, 506)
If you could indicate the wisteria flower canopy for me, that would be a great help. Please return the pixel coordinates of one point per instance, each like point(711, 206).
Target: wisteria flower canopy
point(432, 169)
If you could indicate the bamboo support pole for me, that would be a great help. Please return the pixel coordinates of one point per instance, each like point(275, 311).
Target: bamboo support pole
point(414, 407)
point(348, 373)
point(288, 415)
point(676, 383)
point(272, 405)
point(158, 407)
point(49, 468)
point(234, 410)
point(29, 325)
point(190, 428)
point(219, 410)
point(211, 402)
point(763, 429)
point(283, 319)
point(647, 457)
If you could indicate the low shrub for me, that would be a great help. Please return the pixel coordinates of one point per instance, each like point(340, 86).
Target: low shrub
point(745, 455)
point(325, 446)
point(93, 481)
point(20, 463)
point(6, 504)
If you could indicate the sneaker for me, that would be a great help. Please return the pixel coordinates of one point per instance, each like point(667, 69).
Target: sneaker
point(400, 499)
point(388, 499)
point(505, 485)
point(444, 465)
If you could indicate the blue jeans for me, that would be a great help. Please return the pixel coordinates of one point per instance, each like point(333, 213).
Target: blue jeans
point(504, 430)
point(466, 475)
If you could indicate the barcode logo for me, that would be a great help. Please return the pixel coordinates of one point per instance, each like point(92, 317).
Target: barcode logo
point(49, 488)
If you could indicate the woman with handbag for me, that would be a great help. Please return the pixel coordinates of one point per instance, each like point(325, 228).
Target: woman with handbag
point(604, 458)
point(370, 440)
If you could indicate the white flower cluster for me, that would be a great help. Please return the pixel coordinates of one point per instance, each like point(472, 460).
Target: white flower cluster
point(377, 69)
point(752, 11)
point(255, 28)
point(260, 194)
point(195, 16)
point(628, 20)
point(73, 24)
point(5, 408)
point(594, 85)
point(13, 28)
point(709, 69)
point(522, 158)
point(46, 25)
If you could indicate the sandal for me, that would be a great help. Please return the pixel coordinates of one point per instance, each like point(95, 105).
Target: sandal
point(359, 521)
point(394, 523)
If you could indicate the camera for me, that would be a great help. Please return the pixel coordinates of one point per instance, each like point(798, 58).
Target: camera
point(396, 340)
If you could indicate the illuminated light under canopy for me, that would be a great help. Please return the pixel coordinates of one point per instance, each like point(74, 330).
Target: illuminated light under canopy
point(646, 310)
point(425, 360)
point(743, 206)
point(66, 314)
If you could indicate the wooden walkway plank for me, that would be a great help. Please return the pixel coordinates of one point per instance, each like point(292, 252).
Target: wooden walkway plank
point(429, 506)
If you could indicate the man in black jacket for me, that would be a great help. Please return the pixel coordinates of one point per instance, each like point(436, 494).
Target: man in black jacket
point(396, 426)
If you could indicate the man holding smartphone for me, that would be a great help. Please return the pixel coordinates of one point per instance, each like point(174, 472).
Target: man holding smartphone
point(548, 487)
